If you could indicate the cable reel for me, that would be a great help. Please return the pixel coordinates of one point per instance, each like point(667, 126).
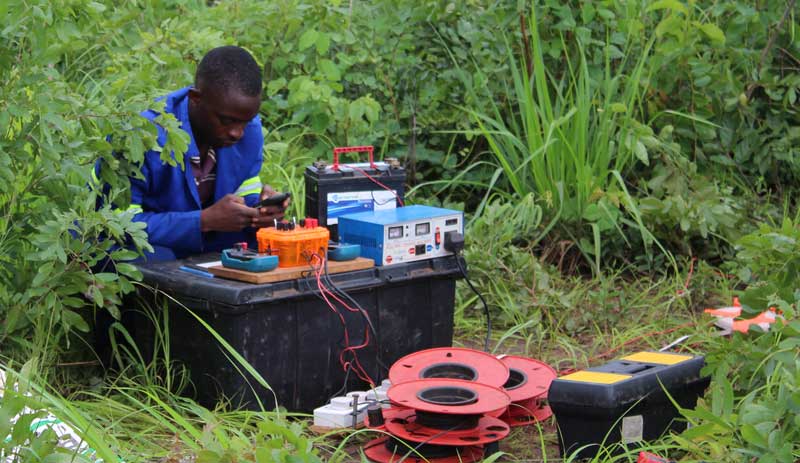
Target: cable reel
point(450, 362)
point(440, 420)
point(527, 385)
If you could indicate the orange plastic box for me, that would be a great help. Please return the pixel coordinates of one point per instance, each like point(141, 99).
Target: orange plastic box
point(293, 247)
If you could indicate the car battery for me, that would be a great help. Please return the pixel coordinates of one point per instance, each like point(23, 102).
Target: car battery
point(625, 401)
point(400, 235)
point(333, 190)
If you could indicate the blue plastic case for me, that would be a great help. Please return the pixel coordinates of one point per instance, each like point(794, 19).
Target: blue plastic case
point(343, 251)
point(256, 264)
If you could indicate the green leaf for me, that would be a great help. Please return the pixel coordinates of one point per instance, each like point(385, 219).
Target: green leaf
point(106, 277)
point(129, 270)
point(617, 108)
point(702, 81)
point(308, 38)
point(97, 7)
point(606, 14)
point(330, 70)
point(59, 457)
point(752, 436)
point(672, 5)
point(714, 33)
point(124, 254)
point(276, 147)
point(275, 85)
point(207, 456)
point(641, 152)
point(670, 25)
point(73, 302)
point(356, 110)
point(323, 42)
point(72, 319)
point(114, 311)
point(43, 274)
point(22, 428)
point(97, 295)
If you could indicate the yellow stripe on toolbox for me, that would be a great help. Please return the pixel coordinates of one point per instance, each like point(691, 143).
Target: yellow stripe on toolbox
point(595, 377)
point(657, 358)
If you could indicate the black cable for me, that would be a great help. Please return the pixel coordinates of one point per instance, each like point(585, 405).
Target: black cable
point(485, 305)
point(364, 314)
point(426, 451)
point(376, 202)
point(446, 421)
point(326, 276)
point(394, 443)
point(344, 385)
point(318, 293)
point(358, 306)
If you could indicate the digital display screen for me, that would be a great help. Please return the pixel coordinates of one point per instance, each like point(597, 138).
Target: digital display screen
point(395, 232)
point(422, 228)
point(449, 222)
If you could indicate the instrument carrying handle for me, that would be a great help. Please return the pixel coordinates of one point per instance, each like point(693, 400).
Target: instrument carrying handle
point(353, 149)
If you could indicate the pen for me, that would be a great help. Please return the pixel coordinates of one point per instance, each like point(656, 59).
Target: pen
point(196, 271)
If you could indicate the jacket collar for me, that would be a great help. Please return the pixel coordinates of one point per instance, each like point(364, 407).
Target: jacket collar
point(178, 104)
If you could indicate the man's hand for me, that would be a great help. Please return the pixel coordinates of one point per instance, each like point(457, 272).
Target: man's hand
point(229, 214)
point(267, 215)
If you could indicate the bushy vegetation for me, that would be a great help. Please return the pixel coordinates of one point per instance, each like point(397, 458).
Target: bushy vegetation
point(622, 165)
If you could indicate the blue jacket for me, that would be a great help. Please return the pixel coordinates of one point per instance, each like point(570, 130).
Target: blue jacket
point(166, 199)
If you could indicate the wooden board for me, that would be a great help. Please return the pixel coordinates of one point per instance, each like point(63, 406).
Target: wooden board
point(289, 273)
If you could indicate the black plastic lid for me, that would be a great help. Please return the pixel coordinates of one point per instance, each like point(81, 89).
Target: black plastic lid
point(231, 296)
point(626, 381)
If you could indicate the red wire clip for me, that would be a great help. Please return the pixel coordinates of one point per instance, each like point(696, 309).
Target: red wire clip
point(353, 149)
point(647, 457)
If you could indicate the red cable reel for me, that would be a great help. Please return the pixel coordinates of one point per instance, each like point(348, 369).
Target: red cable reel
point(527, 385)
point(450, 362)
point(441, 420)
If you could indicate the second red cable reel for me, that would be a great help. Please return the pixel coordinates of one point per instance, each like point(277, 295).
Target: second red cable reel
point(448, 403)
point(528, 383)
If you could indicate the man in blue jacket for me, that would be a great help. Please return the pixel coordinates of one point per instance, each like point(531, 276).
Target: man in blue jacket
point(210, 203)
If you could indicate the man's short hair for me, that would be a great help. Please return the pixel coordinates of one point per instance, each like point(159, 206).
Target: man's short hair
point(229, 68)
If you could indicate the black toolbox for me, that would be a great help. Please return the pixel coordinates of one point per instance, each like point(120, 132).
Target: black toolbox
point(624, 401)
point(288, 333)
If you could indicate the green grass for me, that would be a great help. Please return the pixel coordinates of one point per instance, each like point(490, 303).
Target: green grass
point(566, 138)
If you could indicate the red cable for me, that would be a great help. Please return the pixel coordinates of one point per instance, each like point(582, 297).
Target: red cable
point(358, 369)
point(650, 334)
point(366, 174)
point(688, 277)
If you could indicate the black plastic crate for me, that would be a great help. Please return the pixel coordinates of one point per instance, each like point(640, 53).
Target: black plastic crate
point(291, 337)
point(323, 183)
point(625, 401)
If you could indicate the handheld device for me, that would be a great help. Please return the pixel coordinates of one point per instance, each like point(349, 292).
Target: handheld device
point(242, 258)
point(274, 200)
point(343, 251)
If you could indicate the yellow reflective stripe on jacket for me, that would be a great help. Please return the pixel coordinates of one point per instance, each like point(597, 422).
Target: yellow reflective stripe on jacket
point(133, 209)
point(250, 186)
point(95, 183)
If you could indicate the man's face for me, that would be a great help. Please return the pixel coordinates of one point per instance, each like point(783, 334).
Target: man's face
point(218, 118)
